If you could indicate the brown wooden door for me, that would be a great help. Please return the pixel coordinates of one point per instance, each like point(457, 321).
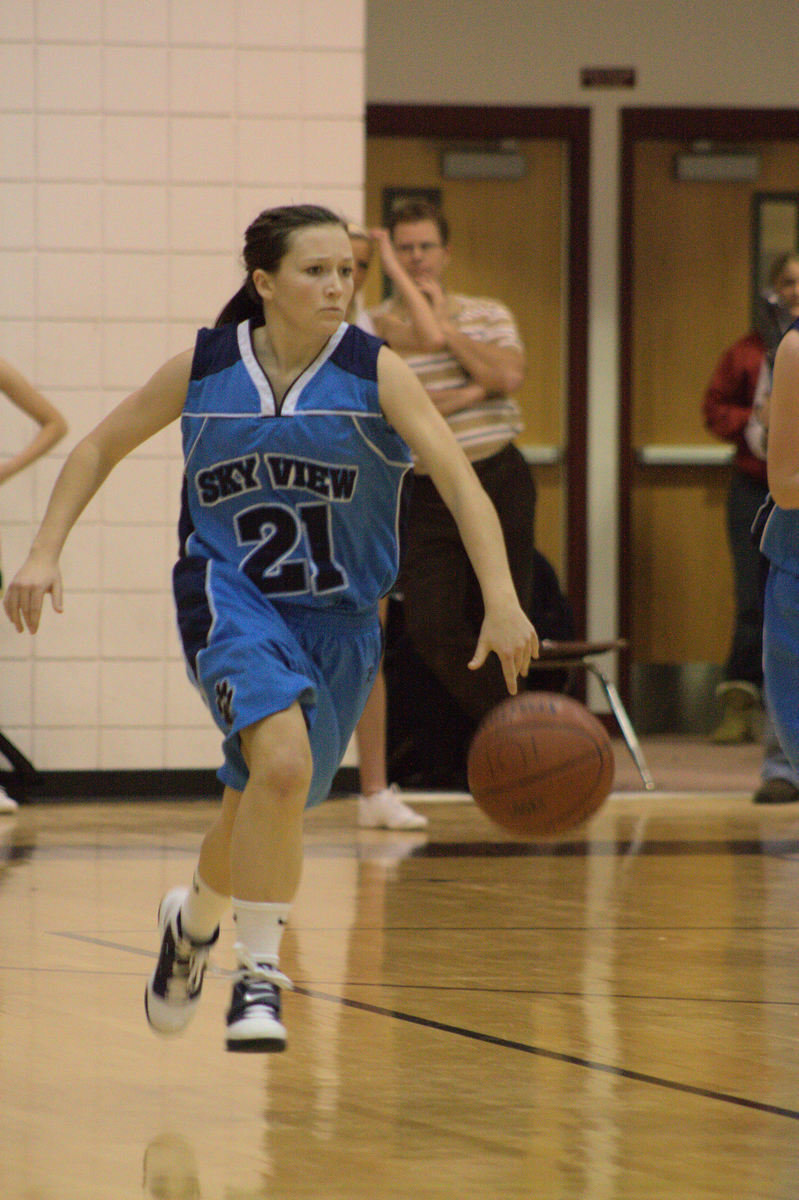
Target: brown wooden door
point(690, 299)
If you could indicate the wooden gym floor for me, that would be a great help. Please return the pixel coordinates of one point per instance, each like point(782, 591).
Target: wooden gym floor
point(614, 1016)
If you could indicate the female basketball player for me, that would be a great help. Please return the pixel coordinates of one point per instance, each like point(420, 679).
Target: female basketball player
point(780, 544)
point(296, 428)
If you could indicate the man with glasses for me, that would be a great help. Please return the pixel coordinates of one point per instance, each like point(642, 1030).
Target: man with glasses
point(471, 362)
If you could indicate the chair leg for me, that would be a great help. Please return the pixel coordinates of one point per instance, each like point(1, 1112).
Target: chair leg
point(18, 761)
point(628, 733)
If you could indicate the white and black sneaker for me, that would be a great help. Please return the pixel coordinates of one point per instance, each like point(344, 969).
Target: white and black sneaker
point(253, 1019)
point(173, 989)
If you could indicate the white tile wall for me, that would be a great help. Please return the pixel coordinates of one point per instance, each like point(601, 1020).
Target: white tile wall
point(56, 21)
point(68, 352)
point(185, 748)
point(16, 694)
point(17, 499)
point(135, 559)
point(69, 78)
point(183, 702)
point(133, 626)
point(135, 79)
point(202, 80)
point(69, 147)
point(131, 353)
point(203, 22)
point(76, 634)
point(134, 286)
point(17, 214)
point(130, 21)
point(202, 149)
point(331, 84)
point(202, 217)
point(138, 141)
point(269, 151)
point(132, 693)
point(136, 492)
point(81, 564)
point(18, 141)
point(68, 285)
point(16, 22)
point(18, 284)
point(59, 749)
point(136, 149)
point(66, 692)
point(19, 340)
point(53, 201)
point(129, 748)
point(332, 23)
point(17, 77)
point(268, 81)
point(333, 151)
point(199, 284)
point(82, 408)
point(134, 217)
point(275, 23)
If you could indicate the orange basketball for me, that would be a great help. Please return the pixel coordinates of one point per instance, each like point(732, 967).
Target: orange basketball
point(540, 764)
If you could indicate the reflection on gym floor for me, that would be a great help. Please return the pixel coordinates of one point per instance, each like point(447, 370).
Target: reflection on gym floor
point(614, 1016)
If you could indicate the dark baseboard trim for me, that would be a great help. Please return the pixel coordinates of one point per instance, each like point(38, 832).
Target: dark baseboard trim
point(76, 786)
point(346, 782)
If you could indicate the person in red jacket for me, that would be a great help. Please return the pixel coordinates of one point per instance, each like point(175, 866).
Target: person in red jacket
point(735, 409)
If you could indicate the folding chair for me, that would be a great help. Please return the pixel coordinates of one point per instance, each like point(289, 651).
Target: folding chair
point(24, 770)
point(582, 654)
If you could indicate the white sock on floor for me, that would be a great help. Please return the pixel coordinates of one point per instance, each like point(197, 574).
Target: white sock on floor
point(202, 910)
point(259, 928)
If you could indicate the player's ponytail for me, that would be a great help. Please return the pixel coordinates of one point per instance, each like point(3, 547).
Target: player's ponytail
point(245, 305)
point(266, 241)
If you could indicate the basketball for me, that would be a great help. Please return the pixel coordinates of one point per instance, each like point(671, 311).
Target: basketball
point(540, 764)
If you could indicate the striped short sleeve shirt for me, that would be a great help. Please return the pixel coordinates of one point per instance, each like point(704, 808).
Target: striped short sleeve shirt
point(484, 428)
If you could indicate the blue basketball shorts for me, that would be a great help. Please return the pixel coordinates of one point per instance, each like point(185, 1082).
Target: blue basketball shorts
point(781, 658)
point(250, 657)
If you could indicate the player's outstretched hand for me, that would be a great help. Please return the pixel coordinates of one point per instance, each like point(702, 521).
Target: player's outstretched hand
point(512, 637)
point(25, 596)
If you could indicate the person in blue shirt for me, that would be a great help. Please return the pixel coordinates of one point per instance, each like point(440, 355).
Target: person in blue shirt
point(297, 430)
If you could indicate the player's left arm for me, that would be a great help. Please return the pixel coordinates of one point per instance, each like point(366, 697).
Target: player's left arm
point(783, 426)
point(506, 628)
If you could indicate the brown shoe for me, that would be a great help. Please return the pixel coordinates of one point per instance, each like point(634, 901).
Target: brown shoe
point(776, 791)
point(740, 702)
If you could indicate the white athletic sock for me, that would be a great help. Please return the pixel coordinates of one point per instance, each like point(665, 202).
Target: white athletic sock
point(202, 910)
point(259, 928)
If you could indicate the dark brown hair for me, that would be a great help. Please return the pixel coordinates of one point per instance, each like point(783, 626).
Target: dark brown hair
point(266, 241)
point(416, 208)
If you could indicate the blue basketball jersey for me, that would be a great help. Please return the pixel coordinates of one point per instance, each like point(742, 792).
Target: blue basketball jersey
point(304, 497)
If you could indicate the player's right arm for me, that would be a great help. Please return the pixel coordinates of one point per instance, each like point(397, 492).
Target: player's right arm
point(506, 629)
point(141, 415)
